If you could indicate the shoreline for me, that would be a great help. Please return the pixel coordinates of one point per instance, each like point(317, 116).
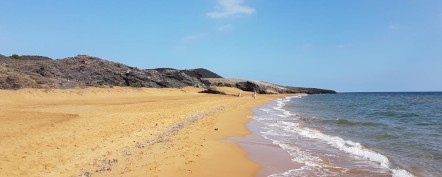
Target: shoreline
point(273, 145)
point(272, 158)
point(125, 132)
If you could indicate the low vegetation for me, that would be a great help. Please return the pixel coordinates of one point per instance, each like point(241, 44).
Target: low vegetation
point(15, 56)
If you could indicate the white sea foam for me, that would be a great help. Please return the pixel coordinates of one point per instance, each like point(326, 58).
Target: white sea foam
point(303, 171)
point(301, 156)
point(309, 160)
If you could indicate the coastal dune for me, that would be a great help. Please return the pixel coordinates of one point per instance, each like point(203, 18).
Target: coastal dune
point(124, 132)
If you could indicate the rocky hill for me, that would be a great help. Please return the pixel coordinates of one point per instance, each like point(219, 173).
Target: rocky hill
point(263, 87)
point(86, 71)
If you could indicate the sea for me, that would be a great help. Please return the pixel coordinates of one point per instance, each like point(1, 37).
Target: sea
point(357, 134)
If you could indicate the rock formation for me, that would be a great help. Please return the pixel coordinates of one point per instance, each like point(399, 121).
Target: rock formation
point(86, 71)
point(263, 87)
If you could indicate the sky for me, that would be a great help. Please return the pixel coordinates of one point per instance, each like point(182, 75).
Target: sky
point(344, 45)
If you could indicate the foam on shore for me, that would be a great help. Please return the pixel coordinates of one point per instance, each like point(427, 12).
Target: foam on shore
point(286, 121)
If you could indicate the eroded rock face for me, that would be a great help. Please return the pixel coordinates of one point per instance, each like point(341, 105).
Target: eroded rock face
point(83, 70)
point(263, 87)
point(251, 87)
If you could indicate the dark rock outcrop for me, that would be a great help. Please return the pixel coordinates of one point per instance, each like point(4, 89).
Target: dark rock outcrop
point(34, 57)
point(263, 87)
point(201, 73)
point(309, 90)
point(83, 71)
point(212, 91)
point(251, 87)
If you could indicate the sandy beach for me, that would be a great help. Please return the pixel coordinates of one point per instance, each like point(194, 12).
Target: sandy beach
point(124, 132)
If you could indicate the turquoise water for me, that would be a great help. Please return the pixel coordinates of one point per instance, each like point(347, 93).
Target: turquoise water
point(358, 134)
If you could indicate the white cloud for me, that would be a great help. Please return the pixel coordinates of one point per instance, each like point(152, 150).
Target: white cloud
point(341, 46)
point(194, 37)
point(393, 27)
point(188, 41)
point(180, 48)
point(228, 8)
point(307, 47)
point(226, 27)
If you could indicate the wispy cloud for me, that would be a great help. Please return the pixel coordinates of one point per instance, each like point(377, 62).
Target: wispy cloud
point(229, 8)
point(226, 27)
point(393, 27)
point(194, 37)
point(341, 46)
point(307, 47)
point(188, 41)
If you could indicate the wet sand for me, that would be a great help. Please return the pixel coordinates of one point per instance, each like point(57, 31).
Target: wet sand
point(124, 132)
point(272, 158)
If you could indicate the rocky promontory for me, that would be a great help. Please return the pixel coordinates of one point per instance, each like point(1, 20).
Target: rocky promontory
point(263, 87)
point(86, 71)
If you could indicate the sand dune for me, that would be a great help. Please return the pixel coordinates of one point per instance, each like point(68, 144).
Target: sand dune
point(123, 132)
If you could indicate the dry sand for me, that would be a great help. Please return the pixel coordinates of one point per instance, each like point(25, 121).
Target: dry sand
point(124, 132)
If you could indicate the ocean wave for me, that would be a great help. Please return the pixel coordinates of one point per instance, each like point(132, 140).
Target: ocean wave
point(337, 142)
point(345, 122)
point(347, 146)
point(393, 114)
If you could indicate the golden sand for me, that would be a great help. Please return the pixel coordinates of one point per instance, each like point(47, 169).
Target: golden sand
point(124, 132)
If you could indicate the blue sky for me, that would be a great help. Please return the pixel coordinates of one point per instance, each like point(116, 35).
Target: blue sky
point(346, 45)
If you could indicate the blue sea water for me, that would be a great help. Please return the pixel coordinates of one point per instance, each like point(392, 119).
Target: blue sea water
point(358, 134)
